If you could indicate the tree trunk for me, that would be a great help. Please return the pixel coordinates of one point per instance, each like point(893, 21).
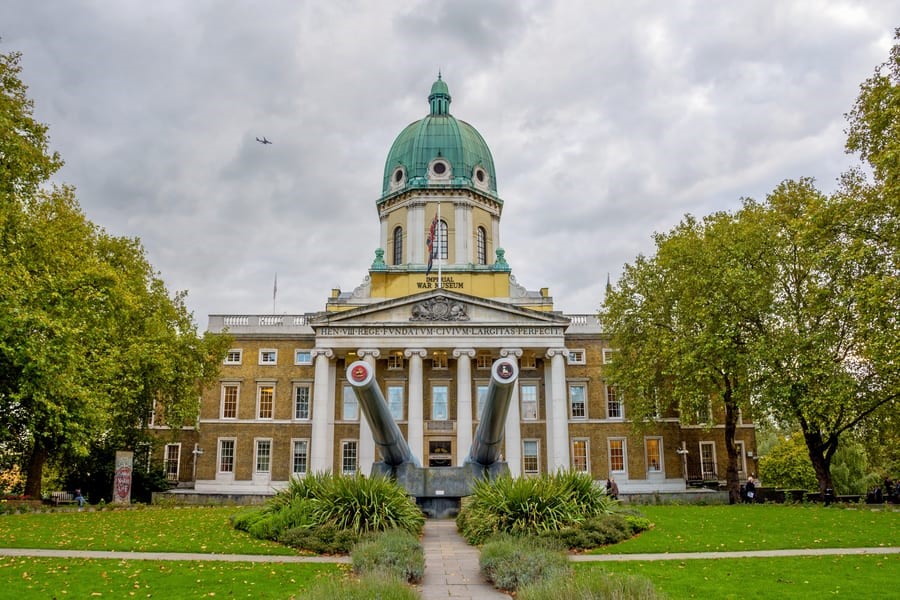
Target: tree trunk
point(36, 462)
point(821, 464)
point(733, 484)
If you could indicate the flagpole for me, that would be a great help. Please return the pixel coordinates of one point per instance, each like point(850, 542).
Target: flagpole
point(440, 241)
point(274, 293)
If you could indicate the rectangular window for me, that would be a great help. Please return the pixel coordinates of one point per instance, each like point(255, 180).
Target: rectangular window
point(741, 458)
point(704, 414)
point(607, 355)
point(395, 360)
point(234, 356)
point(616, 455)
point(580, 456)
point(226, 456)
point(708, 461)
point(395, 401)
point(268, 357)
point(578, 401)
point(439, 360)
point(528, 394)
point(301, 401)
point(529, 361)
point(576, 357)
point(302, 357)
point(265, 405)
point(229, 401)
point(300, 457)
point(351, 405)
point(613, 404)
point(653, 448)
point(263, 456)
point(173, 459)
point(530, 459)
point(439, 403)
point(348, 457)
point(483, 361)
point(481, 396)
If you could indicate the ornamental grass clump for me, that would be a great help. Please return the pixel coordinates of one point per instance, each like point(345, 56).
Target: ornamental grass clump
point(597, 586)
point(366, 588)
point(396, 553)
point(323, 512)
point(510, 562)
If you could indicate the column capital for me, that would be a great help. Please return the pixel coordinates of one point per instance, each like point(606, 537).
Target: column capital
point(506, 352)
point(460, 352)
point(364, 352)
point(420, 352)
point(326, 352)
point(551, 352)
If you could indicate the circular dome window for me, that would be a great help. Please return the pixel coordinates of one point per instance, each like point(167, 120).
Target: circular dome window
point(398, 175)
point(398, 178)
point(479, 175)
point(480, 178)
point(440, 168)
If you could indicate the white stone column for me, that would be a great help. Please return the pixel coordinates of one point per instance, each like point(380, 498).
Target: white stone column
point(415, 232)
point(415, 428)
point(463, 358)
point(558, 412)
point(366, 440)
point(513, 431)
point(321, 453)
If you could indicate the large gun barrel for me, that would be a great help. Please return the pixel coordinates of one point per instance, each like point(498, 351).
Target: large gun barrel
point(394, 449)
point(489, 434)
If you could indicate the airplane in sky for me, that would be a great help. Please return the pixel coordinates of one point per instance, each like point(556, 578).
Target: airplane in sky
point(263, 140)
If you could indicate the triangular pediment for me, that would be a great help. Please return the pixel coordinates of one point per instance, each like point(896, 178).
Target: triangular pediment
point(440, 307)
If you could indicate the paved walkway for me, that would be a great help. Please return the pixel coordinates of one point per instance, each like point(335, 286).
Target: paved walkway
point(451, 566)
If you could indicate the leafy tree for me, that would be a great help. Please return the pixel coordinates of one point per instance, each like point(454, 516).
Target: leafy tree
point(90, 339)
point(681, 321)
point(787, 465)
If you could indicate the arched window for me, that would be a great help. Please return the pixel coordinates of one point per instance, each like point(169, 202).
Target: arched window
point(481, 245)
point(442, 252)
point(398, 245)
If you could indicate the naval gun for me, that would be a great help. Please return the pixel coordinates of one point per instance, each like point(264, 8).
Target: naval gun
point(437, 490)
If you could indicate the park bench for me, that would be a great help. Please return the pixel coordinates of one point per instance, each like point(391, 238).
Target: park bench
point(58, 498)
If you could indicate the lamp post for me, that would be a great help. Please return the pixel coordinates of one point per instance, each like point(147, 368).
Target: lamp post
point(197, 451)
point(683, 452)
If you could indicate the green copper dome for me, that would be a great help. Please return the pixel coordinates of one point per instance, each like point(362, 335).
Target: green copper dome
point(439, 151)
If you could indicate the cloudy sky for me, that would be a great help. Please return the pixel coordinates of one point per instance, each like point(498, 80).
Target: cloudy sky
point(607, 121)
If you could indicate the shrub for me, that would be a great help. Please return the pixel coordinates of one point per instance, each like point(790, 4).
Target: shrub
point(510, 562)
point(371, 586)
point(590, 499)
point(367, 504)
point(324, 539)
point(612, 587)
point(396, 552)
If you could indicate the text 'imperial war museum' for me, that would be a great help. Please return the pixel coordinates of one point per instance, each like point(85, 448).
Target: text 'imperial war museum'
point(438, 307)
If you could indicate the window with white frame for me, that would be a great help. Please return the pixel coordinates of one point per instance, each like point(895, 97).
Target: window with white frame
point(483, 361)
point(348, 457)
point(299, 456)
point(302, 392)
point(398, 246)
point(395, 401)
point(303, 356)
point(704, 413)
point(350, 409)
point(578, 401)
point(531, 464)
point(229, 401)
point(528, 395)
point(442, 251)
point(581, 455)
point(741, 458)
point(617, 455)
point(481, 245)
point(395, 360)
point(440, 410)
point(654, 455)
point(481, 391)
point(263, 456)
point(234, 356)
point(173, 460)
point(226, 455)
point(265, 401)
point(608, 354)
point(576, 357)
point(708, 469)
point(439, 360)
point(613, 403)
point(268, 357)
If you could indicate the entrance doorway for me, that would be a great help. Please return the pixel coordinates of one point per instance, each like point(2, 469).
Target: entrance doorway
point(440, 453)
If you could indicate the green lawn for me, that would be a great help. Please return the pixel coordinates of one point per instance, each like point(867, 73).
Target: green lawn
point(26, 577)
point(793, 577)
point(149, 529)
point(760, 527)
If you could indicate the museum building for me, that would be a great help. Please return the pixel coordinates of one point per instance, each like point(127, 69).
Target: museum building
point(439, 305)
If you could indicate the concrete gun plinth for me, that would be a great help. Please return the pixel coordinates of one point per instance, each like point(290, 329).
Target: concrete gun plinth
point(438, 490)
